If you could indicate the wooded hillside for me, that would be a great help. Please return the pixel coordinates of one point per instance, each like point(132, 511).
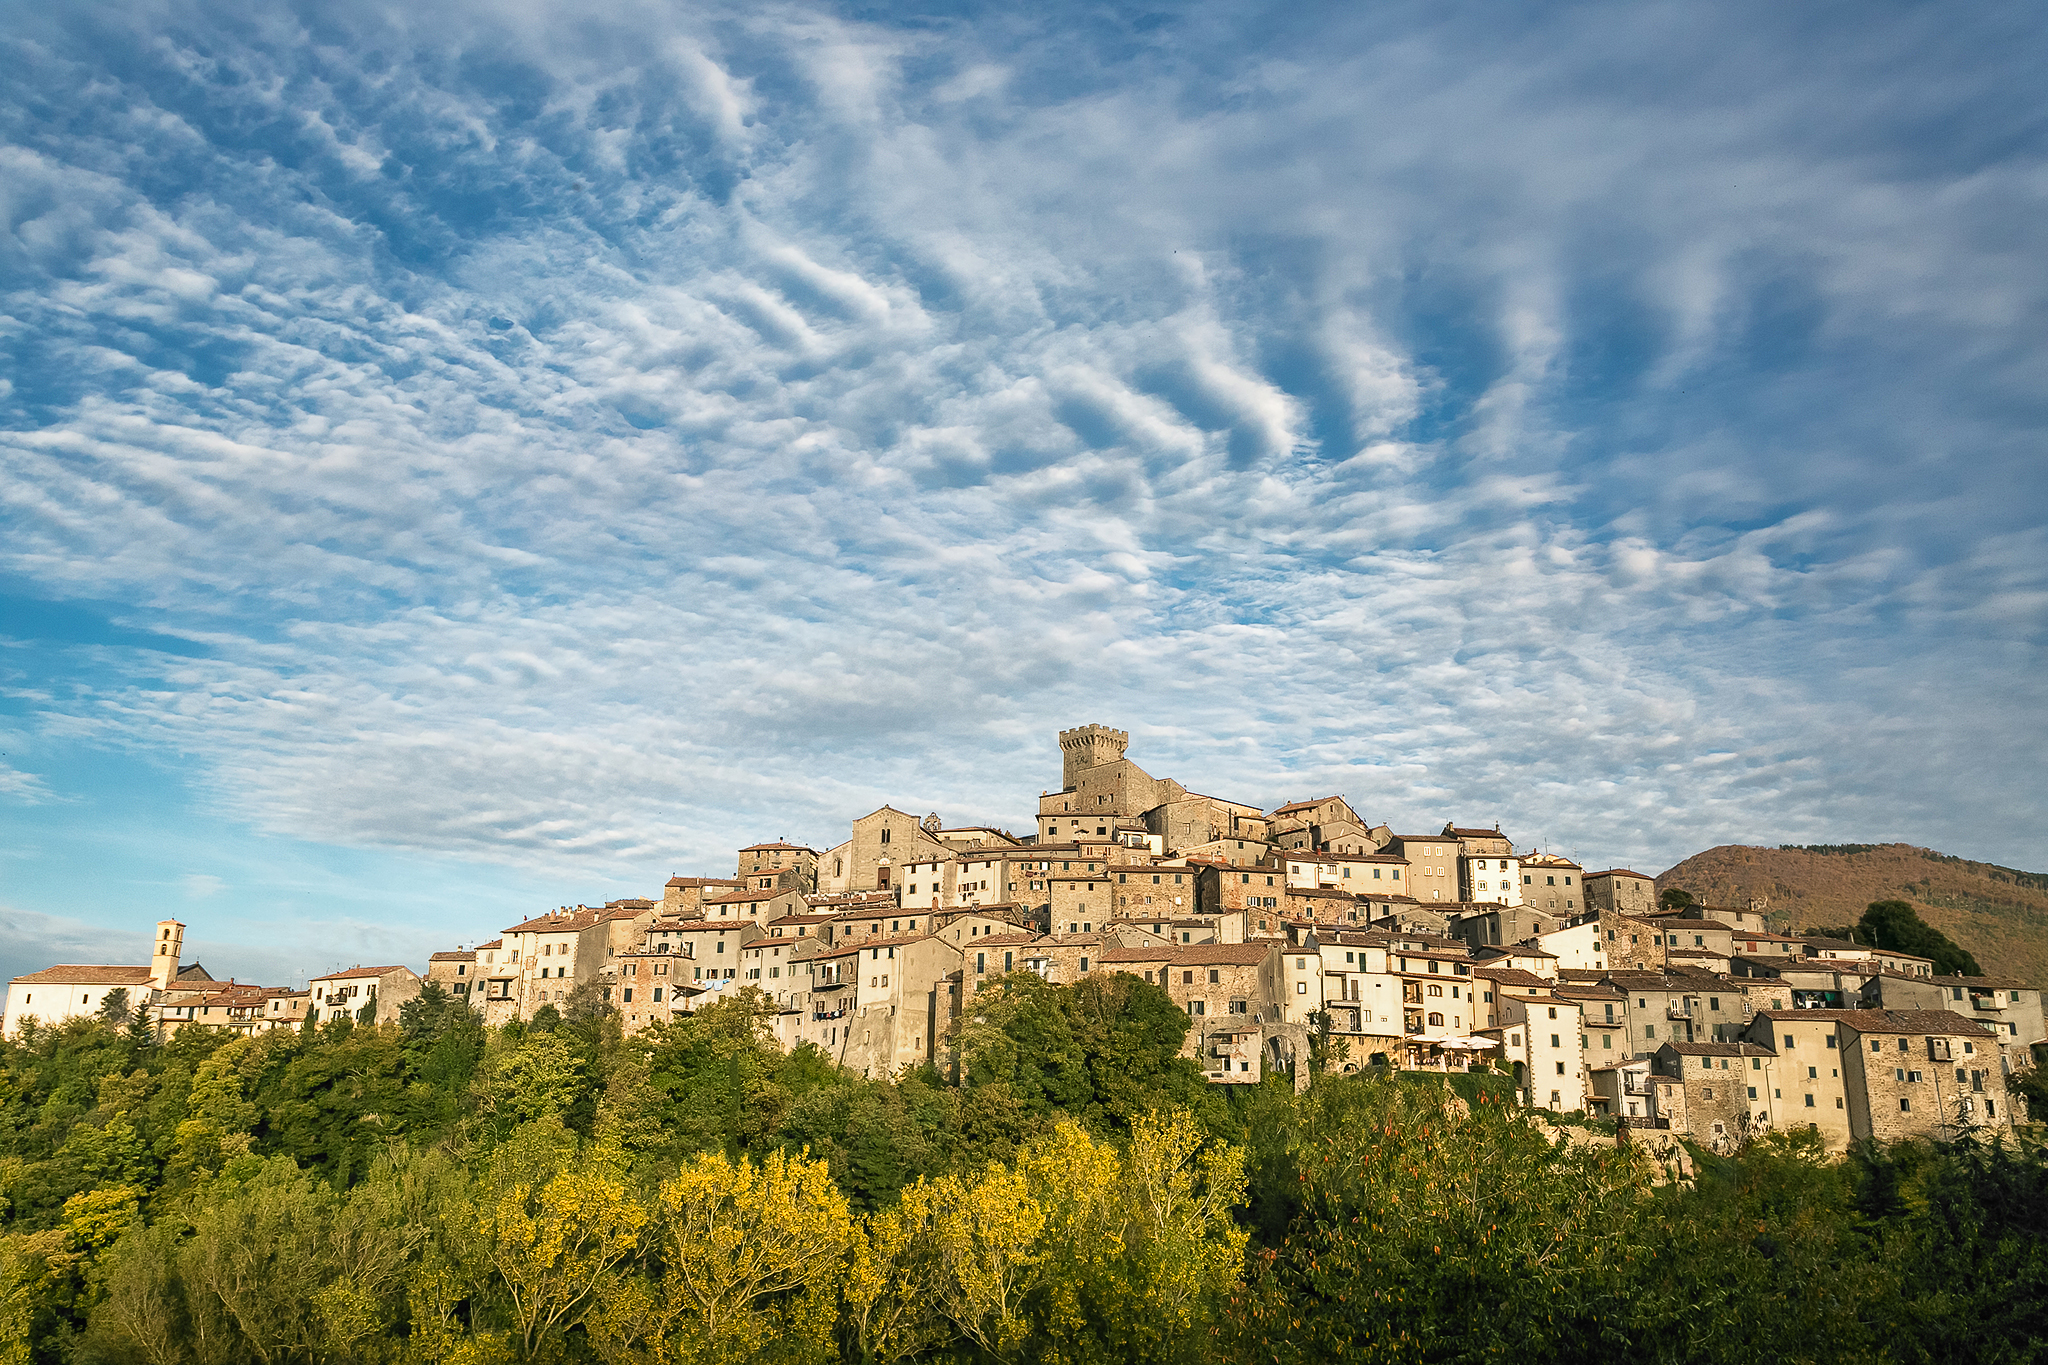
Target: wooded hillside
point(1999, 914)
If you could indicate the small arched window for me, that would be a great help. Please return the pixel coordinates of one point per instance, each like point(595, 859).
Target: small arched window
point(1436, 1020)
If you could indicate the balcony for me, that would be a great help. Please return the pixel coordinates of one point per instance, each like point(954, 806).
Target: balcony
point(1678, 1012)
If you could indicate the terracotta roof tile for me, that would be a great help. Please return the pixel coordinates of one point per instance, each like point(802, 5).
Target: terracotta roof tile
point(71, 974)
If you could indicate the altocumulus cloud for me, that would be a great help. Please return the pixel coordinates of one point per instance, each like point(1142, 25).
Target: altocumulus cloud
point(592, 435)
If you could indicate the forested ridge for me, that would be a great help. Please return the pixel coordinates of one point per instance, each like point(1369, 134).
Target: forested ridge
point(436, 1191)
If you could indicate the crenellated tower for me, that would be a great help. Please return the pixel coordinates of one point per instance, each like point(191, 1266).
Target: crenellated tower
point(1089, 746)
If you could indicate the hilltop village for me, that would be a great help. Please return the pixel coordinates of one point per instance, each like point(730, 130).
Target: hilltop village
point(1300, 932)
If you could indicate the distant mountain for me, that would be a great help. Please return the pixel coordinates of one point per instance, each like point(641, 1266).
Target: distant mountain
point(1999, 913)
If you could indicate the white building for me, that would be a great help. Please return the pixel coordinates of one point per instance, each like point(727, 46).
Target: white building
point(72, 990)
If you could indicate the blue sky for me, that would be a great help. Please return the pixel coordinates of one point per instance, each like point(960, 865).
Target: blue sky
point(461, 459)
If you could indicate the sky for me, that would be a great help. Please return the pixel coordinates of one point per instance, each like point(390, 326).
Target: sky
point(462, 459)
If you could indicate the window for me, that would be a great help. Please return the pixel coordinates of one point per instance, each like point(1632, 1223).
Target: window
point(885, 835)
point(1905, 1106)
point(1436, 1020)
point(1187, 978)
point(1554, 1042)
point(1809, 1101)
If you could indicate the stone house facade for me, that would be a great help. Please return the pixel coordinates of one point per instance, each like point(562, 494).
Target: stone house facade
point(684, 896)
point(1433, 865)
point(787, 865)
point(346, 992)
point(1622, 892)
point(2007, 1006)
point(1718, 1079)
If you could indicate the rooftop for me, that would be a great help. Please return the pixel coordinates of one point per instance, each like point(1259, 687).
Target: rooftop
point(349, 973)
point(73, 974)
point(1885, 1021)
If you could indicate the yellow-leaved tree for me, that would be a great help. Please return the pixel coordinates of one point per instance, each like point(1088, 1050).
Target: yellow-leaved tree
point(749, 1261)
point(1186, 1250)
point(556, 1242)
point(1078, 1252)
point(985, 1234)
point(891, 1293)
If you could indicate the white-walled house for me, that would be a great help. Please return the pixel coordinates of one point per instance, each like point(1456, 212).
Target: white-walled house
point(71, 990)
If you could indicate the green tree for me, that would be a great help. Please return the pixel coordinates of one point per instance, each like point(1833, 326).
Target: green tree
point(1410, 1211)
point(1105, 1050)
point(1671, 898)
point(1897, 926)
point(114, 1011)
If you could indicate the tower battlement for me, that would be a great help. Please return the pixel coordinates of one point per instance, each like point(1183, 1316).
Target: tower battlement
point(1089, 746)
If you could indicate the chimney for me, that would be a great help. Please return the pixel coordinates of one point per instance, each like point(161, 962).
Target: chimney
point(163, 962)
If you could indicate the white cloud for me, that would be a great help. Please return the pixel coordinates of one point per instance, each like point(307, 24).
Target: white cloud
point(753, 430)
point(26, 788)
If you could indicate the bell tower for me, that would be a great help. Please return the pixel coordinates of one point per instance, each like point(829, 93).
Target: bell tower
point(163, 961)
point(1089, 746)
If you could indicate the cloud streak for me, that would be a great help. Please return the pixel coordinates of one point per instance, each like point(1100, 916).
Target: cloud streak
point(592, 440)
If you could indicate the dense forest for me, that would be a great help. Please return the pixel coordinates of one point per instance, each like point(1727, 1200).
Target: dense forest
point(434, 1191)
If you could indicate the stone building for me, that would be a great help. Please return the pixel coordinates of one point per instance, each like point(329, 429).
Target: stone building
point(1717, 1081)
point(1485, 926)
point(1194, 820)
point(1908, 1073)
point(1223, 986)
point(2009, 1007)
point(883, 842)
point(1232, 1055)
point(541, 960)
point(346, 993)
point(1064, 959)
point(1079, 900)
point(1553, 883)
point(685, 895)
point(456, 973)
point(1620, 891)
point(877, 1006)
point(1168, 890)
point(996, 955)
point(235, 1006)
point(1433, 863)
point(1238, 852)
point(1149, 960)
point(783, 864)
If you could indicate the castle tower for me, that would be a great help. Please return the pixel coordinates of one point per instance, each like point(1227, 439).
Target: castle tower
point(1088, 746)
point(163, 962)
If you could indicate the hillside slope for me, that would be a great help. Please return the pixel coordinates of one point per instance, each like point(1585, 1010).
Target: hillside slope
point(1998, 913)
